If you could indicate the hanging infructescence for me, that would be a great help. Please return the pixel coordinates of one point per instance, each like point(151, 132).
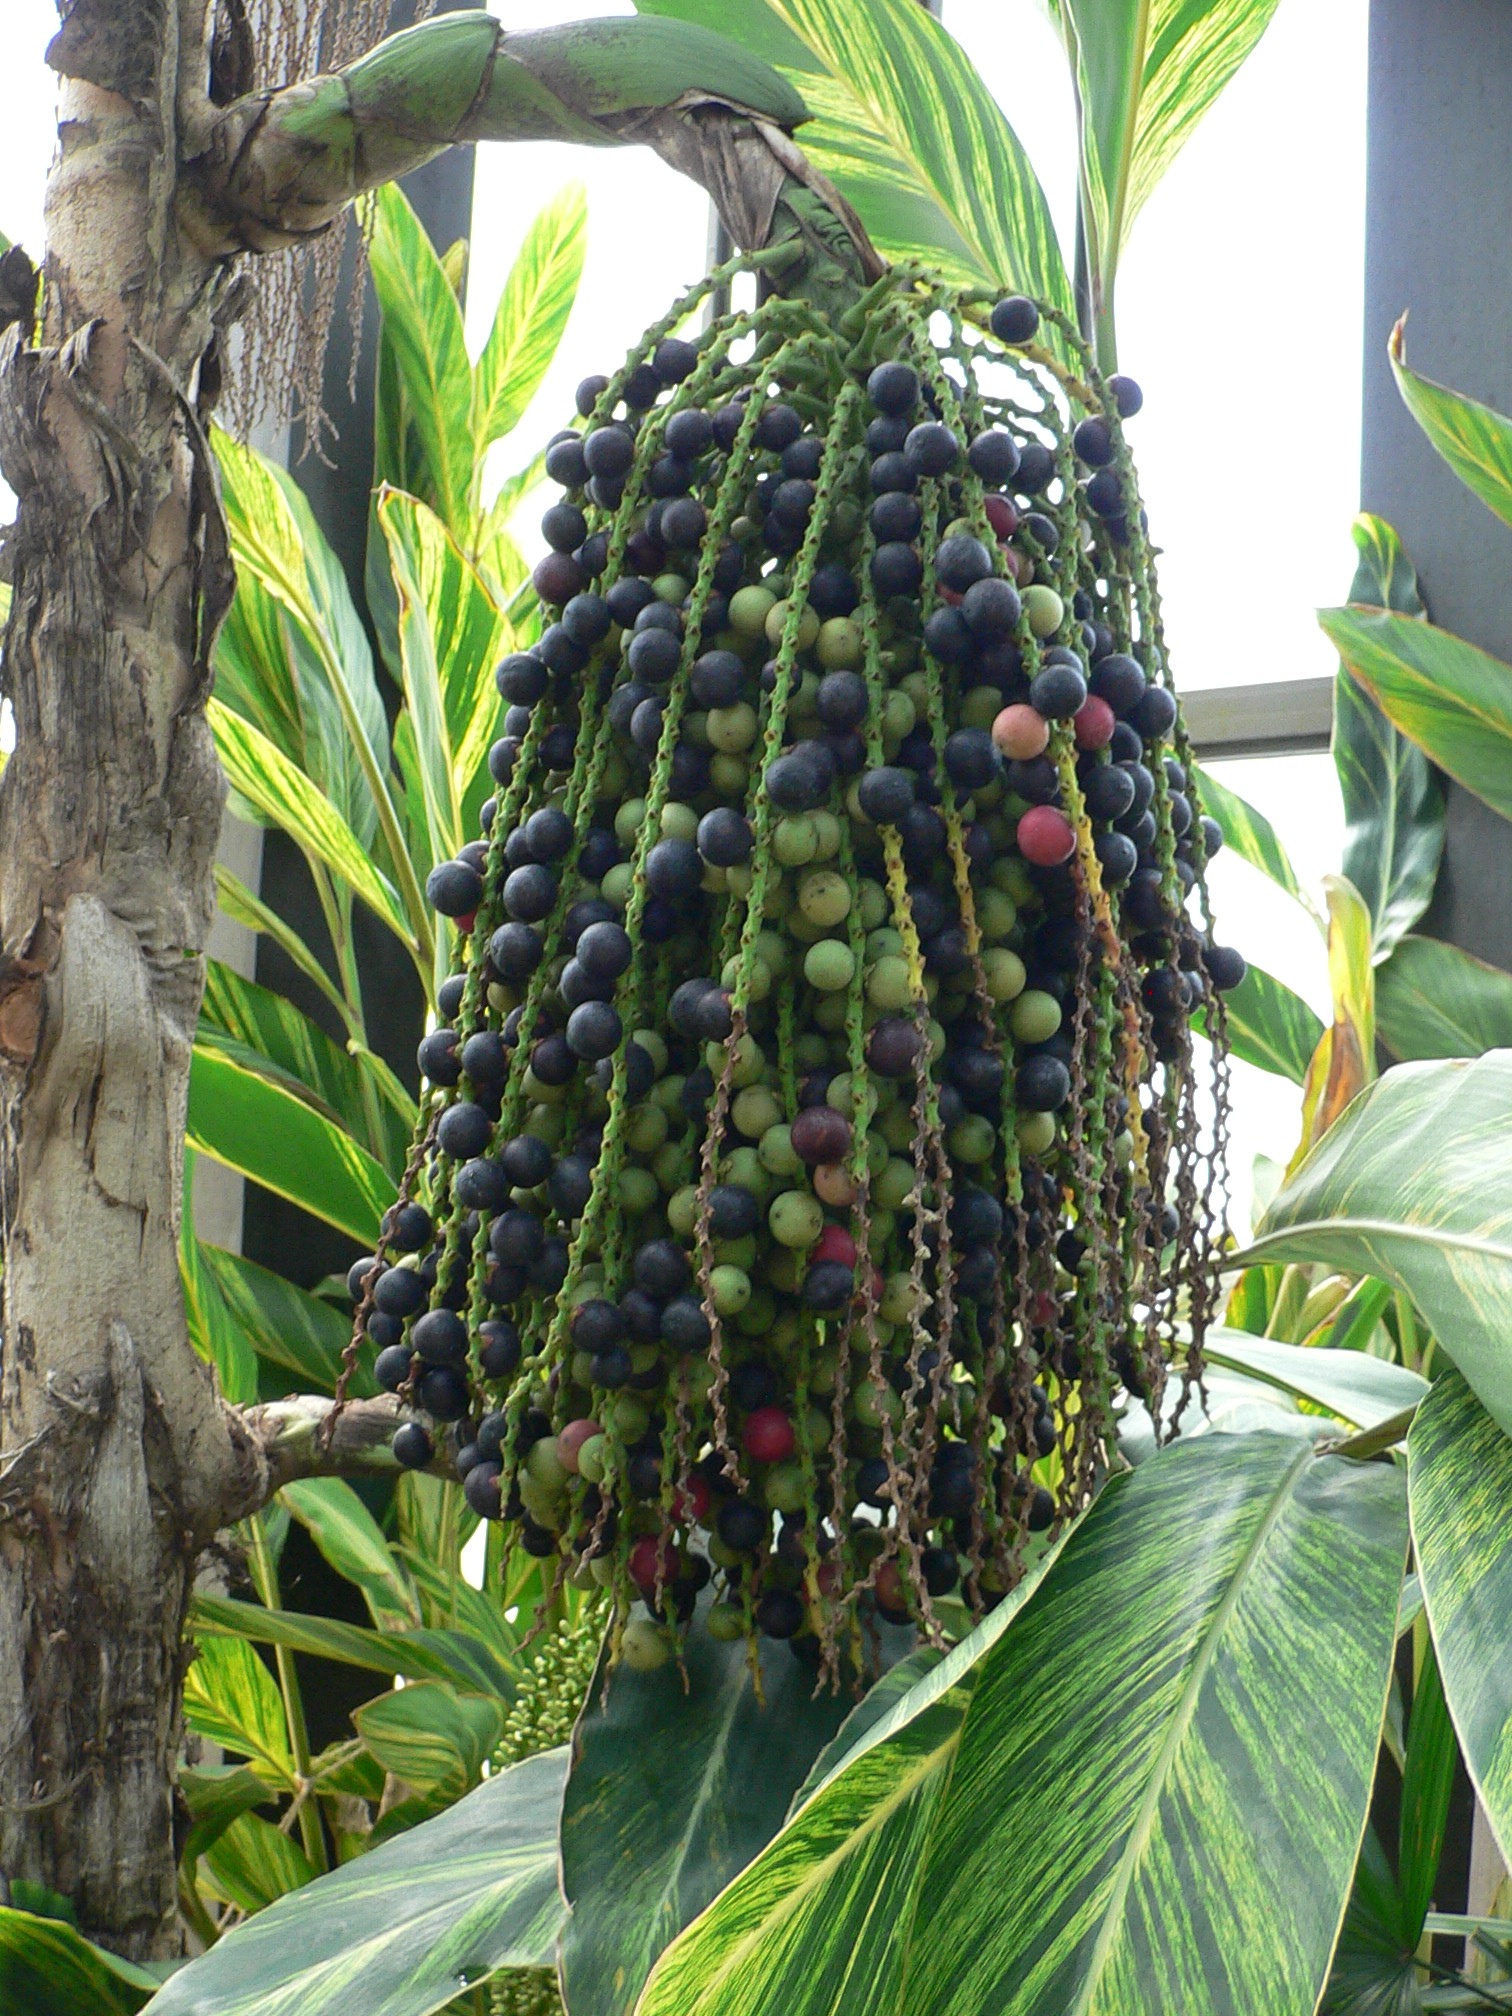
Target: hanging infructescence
point(813, 1154)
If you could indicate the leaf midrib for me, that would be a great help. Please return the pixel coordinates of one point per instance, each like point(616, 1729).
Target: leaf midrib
point(1390, 1228)
point(1180, 1723)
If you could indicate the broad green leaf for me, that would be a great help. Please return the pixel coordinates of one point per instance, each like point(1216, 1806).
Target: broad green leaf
point(422, 322)
point(269, 1024)
point(1475, 440)
point(217, 1794)
point(293, 657)
point(1459, 1469)
point(451, 634)
point(430, 1736)
point(1393, 806)
point(213, 1329)
point(1103, 1816)
point(1145, 71)
point(1358, 1388)
point(1248, 832)
point(531, 316)
point(1433, 1000)
point(1410, 1185)
point(1271, 1027)
point(231, 1698)
point(1373, 1972)
point(265, 1131)
point(408, 1654)
point(645, 1849)
point(352, 1541)
point(49, 1969)
point(905, 128)
point(283, 1323)
point(251, 1863)
point(1427, 1786)
point(281, 795)
point(403, 1930)
point(1449, 697)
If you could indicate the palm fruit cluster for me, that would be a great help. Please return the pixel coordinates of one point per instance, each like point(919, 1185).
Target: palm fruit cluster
point(813, 1156)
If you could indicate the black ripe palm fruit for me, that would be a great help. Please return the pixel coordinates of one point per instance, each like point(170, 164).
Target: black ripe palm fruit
point(808, 1139)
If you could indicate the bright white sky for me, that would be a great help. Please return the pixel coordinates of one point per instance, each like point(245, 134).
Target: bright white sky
point(1239, 312)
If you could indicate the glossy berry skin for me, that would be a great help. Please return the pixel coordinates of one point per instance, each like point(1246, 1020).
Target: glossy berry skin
point(1226, 967)
point(961, 561)
point(767, 1436)
point(1014, 319)
point(1045, 837)
point(453, 889)
point(1128, 396)
point(893, 388)
point(412, 1446)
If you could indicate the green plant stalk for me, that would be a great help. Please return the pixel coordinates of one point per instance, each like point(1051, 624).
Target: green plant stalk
point(265, 1581)
point(252, 913)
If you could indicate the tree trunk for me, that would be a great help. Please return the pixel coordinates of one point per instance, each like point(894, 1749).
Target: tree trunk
point(116, 1456)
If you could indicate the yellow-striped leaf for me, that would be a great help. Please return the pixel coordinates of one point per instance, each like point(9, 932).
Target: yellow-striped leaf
point(1449, 697)
point(1359, 1389)
point(453, 1656)
point(1475, 440)
point(1146, 71)
point(264, 1130)
point(531, 315)
point(279, 794)
point(907, 130)
point(430, 1736)
point(405, 1929)
point(1104, 1815)
point(1270, 1026)
point(251, 1862)
point(230, 1698)
point(49, 1969)
point(352, 1541)
point(1433, 1000)
point(422, 324)
point(1459, 1472)
point(1393, 805)
point(1248, 832)
point(283, 1323)
point(451, 633)
point(1344, 1061)
point(1411, 1185)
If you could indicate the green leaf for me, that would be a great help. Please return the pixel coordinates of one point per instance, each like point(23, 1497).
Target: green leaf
point(352, 1541)
point(407, 1654)
point(1459, 1469)
point(259, 1127)
point(430, 1736)
point(422, 323)
point(644, 1850)
point(1450, 698)
point(281, 795)
point(1410, 1185)
point(239, 904)
point(231, 1698)
point(1145, 74)
point(531, 315)
point(451, 634)
point(217, 1794)
point(213, 1330)
point(272, 1026)
point(1433, 1000)
point(878, 1702)
point(402, 1930)
point(1271, 1027)
point(1427, 1787)
point(251, 1863)
point(1351, 1384)
point(1393, 806)
point(1090, 1814)
point(293, 657)
point(49, 1969)
point(1248, 832)
point(906, 129)
point(283, 1323)
point(1475, 440)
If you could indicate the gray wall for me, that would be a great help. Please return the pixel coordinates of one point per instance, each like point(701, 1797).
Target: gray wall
point(1439, 243)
